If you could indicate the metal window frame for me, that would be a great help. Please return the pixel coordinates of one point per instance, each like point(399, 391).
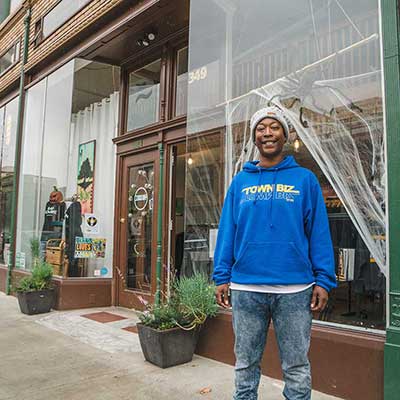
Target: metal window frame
point(13, 46)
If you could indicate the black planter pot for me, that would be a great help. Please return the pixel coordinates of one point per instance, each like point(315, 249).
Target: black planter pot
point(167, 348)
point(38, 302)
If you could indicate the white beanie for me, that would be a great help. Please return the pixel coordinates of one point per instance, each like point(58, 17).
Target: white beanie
point(269, 112)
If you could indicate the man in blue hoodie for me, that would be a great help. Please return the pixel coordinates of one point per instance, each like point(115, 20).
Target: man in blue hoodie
point(275, 256)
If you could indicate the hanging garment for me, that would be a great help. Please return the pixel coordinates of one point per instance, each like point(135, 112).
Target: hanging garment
point(73, 221)
point(53, 221)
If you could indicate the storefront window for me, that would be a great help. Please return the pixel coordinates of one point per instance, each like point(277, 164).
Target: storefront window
point(8, 130)
point(320, 62)
point(204, 188)
point(67, 177)
point(181, 82)
point(144, 96)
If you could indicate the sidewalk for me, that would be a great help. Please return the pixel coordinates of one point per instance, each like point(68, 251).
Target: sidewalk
point(66, 356)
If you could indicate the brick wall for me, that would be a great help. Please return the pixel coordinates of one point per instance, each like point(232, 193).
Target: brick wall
point(14, 28)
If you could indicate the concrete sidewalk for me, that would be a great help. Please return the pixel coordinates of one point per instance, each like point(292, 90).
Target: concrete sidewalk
point(65, 356)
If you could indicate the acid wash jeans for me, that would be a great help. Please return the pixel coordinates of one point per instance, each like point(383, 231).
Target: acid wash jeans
point(291, 316)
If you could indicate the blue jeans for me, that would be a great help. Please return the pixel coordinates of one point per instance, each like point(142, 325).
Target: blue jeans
point(291, 316)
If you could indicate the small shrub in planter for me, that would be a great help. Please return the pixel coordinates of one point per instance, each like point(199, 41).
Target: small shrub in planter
point(35, 292)
point(168, 332)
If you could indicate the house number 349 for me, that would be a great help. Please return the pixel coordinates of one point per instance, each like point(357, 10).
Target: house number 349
point(198, 75)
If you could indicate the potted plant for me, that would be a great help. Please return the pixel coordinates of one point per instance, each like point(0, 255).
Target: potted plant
point(35, 292)
point(168, 332)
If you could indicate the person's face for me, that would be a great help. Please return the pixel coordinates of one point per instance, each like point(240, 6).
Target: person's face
point(269, 137)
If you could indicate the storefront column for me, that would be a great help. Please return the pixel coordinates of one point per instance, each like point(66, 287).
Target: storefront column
point(18, 147)
point(390, 26)
point(159, 224)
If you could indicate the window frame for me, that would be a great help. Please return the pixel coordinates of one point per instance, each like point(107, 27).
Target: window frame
point(168, 84)
point(39, 35)
point(18, 53)
point(128, 75)
point(142, 61)
point(176, 49)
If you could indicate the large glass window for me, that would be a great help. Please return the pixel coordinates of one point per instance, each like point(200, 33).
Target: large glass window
point(64, 10)
point(144, 96)
point(8, 130)
point(204, 188)
point(67, 174)
point(320, 62)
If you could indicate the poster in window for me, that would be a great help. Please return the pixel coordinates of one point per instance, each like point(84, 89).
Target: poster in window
point(86, 165)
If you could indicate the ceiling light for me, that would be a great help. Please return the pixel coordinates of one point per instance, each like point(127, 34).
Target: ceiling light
point(190, 160)
point(145, 42)
point(151, 36)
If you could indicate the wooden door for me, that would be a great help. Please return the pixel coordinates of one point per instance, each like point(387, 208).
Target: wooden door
point(136, 258)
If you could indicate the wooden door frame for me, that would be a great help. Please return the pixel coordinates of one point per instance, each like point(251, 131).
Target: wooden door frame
point(121, 295)
point(170, 208)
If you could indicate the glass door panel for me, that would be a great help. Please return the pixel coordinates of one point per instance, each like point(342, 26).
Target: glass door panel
point(140, 227)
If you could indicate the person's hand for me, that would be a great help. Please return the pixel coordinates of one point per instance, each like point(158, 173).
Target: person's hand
point(319, 298)
point(221, 294)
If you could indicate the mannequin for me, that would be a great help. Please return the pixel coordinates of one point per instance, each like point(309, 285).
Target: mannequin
point(73, 221)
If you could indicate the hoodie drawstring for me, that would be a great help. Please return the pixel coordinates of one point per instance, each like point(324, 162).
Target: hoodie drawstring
point(258, 184)
point(271, 224)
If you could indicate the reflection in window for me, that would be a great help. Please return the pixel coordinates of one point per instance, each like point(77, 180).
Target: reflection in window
point(181, 82)
point(144, 96)
point(10, 57)
point(64, 10)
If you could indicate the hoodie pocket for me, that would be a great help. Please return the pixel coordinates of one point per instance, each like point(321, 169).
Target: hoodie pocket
point(272, 259)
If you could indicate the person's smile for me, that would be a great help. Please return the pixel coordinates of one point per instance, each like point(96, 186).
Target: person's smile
point(269, 143)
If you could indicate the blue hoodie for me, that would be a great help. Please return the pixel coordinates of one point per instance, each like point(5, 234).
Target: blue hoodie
point(274, 229)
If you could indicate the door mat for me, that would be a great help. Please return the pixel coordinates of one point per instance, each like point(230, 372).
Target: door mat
point(103, 317)
point(132, 329)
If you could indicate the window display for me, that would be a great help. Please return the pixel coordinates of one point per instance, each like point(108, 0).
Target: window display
point(319, 62)
point(66, 198)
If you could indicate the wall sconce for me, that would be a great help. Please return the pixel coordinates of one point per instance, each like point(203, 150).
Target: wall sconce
point(147, 39)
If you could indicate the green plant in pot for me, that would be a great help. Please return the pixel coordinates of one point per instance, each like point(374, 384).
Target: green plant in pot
point(35, 292)
point(168, 332)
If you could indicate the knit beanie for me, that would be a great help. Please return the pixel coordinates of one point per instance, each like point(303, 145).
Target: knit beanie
point(269, 112)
